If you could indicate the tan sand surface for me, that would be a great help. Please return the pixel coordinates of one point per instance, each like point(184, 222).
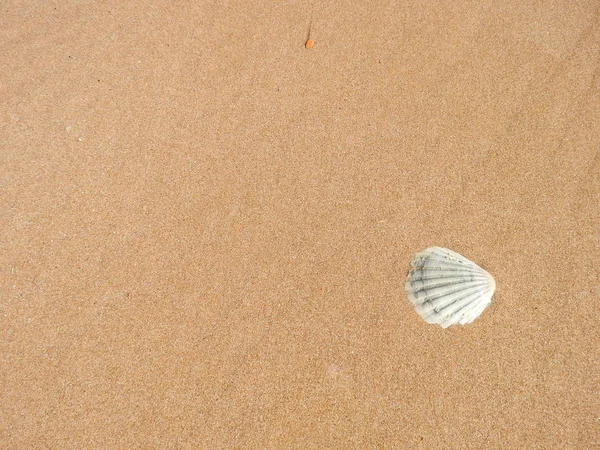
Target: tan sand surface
point(206, 226)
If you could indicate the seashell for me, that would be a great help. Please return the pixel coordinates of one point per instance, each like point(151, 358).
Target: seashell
point(448, 289)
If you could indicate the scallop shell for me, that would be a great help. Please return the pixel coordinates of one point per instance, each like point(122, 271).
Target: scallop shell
point(448, 289)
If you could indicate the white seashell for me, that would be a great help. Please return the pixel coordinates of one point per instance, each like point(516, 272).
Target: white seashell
point(448, 289)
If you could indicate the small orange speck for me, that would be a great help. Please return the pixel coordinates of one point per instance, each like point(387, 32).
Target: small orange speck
point(310, 43)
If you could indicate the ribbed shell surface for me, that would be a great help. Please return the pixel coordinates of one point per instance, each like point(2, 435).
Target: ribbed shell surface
point(448, 289)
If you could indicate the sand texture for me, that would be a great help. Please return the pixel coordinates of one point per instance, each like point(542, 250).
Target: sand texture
point(205, 226)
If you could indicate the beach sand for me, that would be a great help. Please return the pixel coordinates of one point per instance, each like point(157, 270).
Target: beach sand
point(206, 226)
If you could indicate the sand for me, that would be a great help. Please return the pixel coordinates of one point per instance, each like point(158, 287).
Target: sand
point(206, 226)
